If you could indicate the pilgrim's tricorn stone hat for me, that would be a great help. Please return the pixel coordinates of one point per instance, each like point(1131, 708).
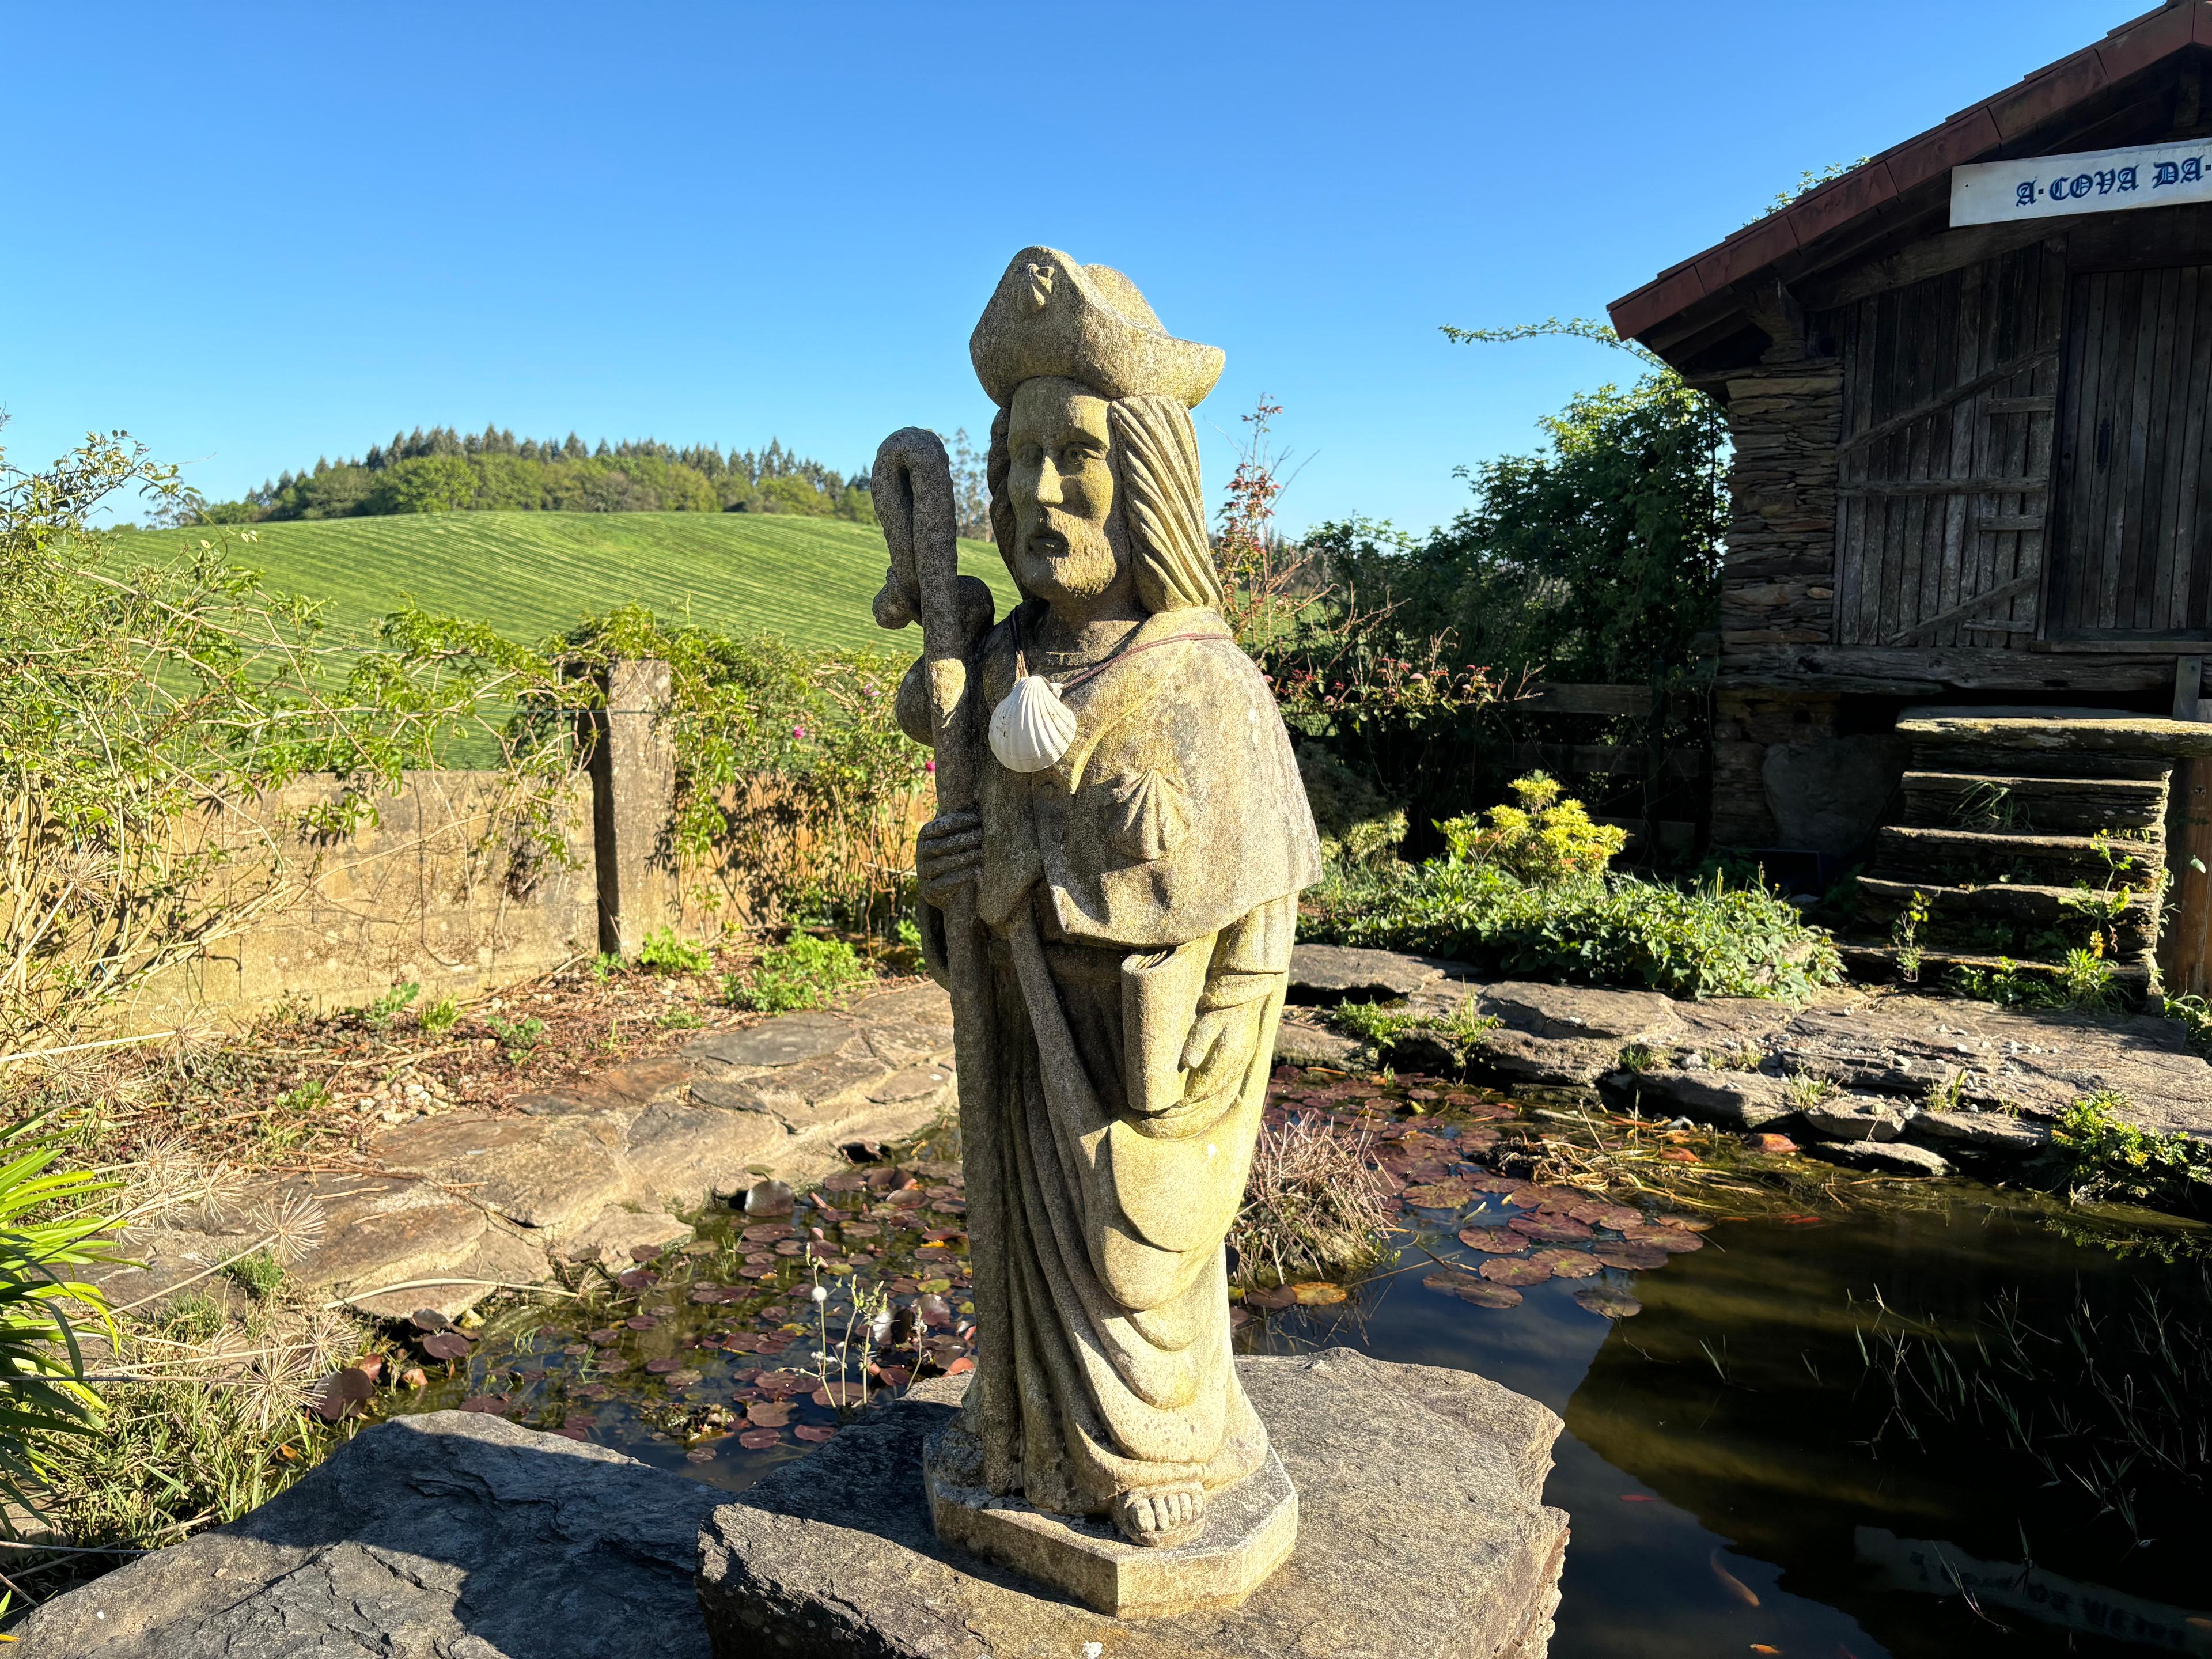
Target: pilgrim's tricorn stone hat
point(1086, 323)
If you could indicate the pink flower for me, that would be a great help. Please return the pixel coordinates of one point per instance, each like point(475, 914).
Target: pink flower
point(798, 731)
point(929, 766)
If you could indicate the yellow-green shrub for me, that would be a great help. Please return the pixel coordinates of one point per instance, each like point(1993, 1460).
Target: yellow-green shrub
point(1541, 843)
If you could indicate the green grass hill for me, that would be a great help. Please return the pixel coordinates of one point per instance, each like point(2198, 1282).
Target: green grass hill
point(532, 574)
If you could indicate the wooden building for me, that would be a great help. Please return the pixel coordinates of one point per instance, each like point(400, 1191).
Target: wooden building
point(1968, 597)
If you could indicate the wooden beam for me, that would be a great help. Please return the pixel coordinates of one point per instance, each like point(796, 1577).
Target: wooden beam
point(1957, 394)
point(2003, 594)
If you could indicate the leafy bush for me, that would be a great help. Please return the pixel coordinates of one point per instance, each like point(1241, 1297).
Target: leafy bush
point(665, 950)
point(804, 972)
point(1542, 840)
point(1706, 940)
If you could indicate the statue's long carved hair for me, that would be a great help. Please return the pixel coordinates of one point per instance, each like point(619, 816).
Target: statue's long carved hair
point(1154, 455)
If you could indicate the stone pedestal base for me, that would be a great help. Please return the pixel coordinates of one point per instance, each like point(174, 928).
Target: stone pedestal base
point(1249, 1528)
point(1422, 1534)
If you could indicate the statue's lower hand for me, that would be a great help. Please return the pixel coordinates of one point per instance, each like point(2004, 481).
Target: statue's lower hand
point(948, 851)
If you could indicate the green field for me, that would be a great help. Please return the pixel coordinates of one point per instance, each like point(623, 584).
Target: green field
point(533, 574)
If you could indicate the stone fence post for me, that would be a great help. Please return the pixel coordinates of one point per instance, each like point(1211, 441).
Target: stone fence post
point(634, 806)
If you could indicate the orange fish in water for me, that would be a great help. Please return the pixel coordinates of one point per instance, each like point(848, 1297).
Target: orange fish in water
point(1638, 1497)
point(1734, 1585)
point(1761, 1647)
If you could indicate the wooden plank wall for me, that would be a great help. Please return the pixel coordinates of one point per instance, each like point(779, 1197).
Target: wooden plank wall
point(2133, 487)
point(1943, 471)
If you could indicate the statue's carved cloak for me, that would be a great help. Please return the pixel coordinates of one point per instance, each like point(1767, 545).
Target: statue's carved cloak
point(1141, 893)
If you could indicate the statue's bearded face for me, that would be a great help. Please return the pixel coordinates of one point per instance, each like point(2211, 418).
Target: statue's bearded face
point(1062, 487)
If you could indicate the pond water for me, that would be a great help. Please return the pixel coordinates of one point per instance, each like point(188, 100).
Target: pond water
point(1826, 1416)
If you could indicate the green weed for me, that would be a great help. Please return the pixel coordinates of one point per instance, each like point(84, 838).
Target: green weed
point(260, 1275)
point(804, 972)
point(2103, 1157)
point(519, 1037)
point(666, 952)
point(441, 1016)
point(380, 1013)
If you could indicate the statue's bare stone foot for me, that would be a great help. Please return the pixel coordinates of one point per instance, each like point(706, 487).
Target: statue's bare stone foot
point(1161, 1518)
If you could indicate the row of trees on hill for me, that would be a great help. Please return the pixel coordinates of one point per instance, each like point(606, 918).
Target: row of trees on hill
point(443, 471)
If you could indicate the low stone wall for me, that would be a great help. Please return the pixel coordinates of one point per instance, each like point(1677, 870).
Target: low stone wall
point(439, 891)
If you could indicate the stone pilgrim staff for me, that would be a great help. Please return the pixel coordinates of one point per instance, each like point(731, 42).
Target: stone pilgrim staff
point(1109, 891)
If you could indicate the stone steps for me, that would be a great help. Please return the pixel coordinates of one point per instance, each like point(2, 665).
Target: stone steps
point(2036, 804)
point(2009, 814)
point(1880, 965)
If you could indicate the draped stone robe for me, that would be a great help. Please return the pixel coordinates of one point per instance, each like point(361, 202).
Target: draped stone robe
point(1140, 896)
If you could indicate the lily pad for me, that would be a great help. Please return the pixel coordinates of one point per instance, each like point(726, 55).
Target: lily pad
point(1551, 1229)
point(1450, 1281)
point(1489, 1295)
point(1633, 1258)
point(1564, 1263)
point(768, 1414)
point(1615, 1216)
point(759, 1440)
point(1607, 1302)
point(1439, 1195)
point(1319, 1293)
point(814, 1433)
point(1494, 1241)
point(1675, 1240)
point(1514, 1270)
point(1693, 1223)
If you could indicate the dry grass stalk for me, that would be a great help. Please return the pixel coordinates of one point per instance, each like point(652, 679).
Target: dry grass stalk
point(1315, 1204)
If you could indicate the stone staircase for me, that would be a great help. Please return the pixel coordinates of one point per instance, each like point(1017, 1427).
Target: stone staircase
point(2027, 832)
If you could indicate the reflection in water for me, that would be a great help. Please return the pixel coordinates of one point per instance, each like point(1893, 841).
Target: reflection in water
point(1729, 1451)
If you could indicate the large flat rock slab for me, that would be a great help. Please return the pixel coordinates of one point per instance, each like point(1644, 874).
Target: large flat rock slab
point(450, 1535)
point(1422, 1534)
point(1344, 973)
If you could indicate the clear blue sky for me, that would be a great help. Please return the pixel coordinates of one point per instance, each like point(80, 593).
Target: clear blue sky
point(254, 234)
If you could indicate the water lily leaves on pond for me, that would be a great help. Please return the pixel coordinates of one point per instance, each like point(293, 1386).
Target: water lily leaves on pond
point(605, 1337)
point(1607, 1302)
point(1693, 1223)
point(839, 1391)
point(660, 1367)
point(784, 1382)
point(1514, 1270)
point(1564, 1263)
point(446, 1344)
point(1615, 1216)
point(1630, 1257)
point(637, 1278)
point(1551, 1229)
point(761, 1414)
point(1275, 1297)
point(429, 1319)
point(685, 1377)
point(568, 1433)
point(1494, 1241)
point(699, 1454)
point(343, 1392)
point(814, 1433)
point(492, 1404)
point(1319, 1293)
point(1449, 1280)
point(766, 1232)
point(1674, 1240)
point(1484, 1295)
point(1495, 1183)
point(642, 1323)
point(934, 1286)
point(892, 1377)
point(589, 1391)
point(934, 1311)
point(1438, 1194)
point(1562, 1199)
point(759, 1440)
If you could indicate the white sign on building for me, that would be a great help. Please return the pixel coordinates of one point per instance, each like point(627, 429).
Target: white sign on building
point(2096, 181)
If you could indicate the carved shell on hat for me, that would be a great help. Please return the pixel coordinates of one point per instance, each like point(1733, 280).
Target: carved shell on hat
point(1031, 728)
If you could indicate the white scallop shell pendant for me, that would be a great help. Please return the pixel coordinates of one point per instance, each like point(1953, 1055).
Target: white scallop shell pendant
point(1032, 727)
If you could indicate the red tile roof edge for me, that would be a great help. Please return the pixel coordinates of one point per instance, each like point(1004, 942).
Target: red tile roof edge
point(2127, 50)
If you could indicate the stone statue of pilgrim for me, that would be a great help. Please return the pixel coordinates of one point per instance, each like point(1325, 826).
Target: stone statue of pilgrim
point(1140, 838)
